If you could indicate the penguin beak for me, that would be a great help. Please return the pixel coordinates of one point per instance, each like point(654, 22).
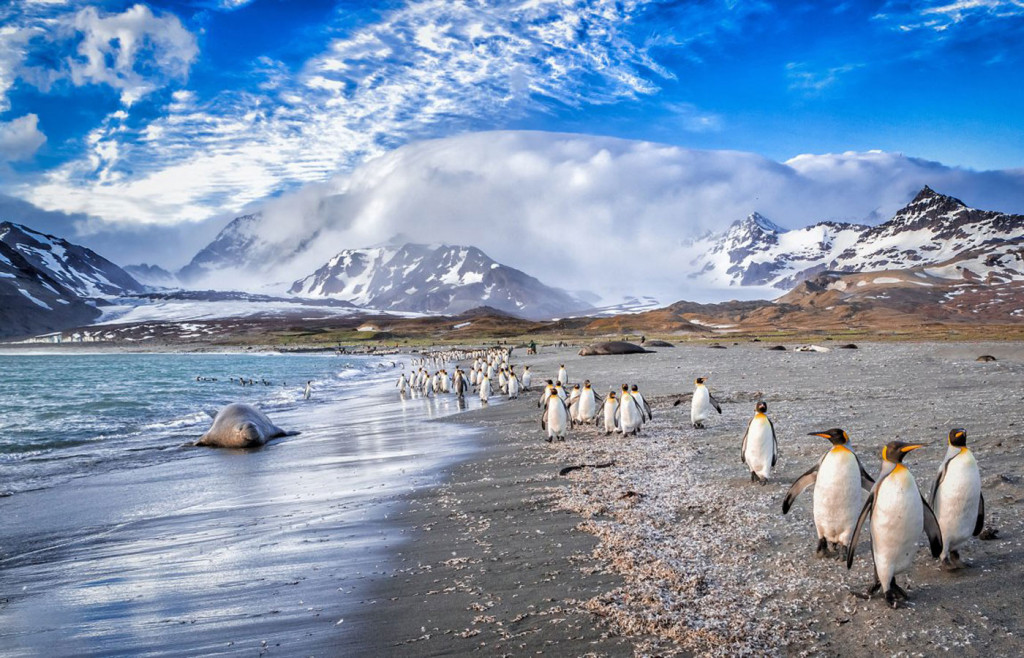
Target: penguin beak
point(824, 435)
point(915, 446)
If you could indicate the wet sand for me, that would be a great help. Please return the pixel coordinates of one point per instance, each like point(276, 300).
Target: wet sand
point(673, 551)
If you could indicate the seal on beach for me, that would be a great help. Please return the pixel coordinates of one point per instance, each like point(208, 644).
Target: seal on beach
point(957, 499)
point(240, 426)
point(701, 404)
point(760, 450)
point(898, 515)
point(612, 347)
point(838, 478)
point(986, 358)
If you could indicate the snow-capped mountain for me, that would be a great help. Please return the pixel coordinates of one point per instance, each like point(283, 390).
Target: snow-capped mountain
point(433, 279)
point(237, 243)
point(152, 275)
point(47, 283)
point(931, 229)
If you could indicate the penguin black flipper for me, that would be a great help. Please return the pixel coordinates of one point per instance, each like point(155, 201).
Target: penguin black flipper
point(743, 448)
point(868, 505)
point(714, 403)
point(775, 443)
point(939, 478)
point(544, 420)
point(802, 482)
point(647, 408)
point(931, 528)
point(981, 516)
point(866, 481)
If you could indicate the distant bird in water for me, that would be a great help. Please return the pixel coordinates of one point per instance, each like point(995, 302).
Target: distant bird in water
point(702, 403)
point(898, 515)
point(957, 499)
point(308, 391)
point(838, 478)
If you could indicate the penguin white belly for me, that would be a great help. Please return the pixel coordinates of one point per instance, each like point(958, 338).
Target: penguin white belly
point(630, 416)
point(610, 407)
point(837, 496)
point(760, 447)
point(485, 389)
point(586, 408)
point(700, 407)
point(527, 379)
point(897, 522)
point(956, 502)
point(557, 418)
point(513, 388)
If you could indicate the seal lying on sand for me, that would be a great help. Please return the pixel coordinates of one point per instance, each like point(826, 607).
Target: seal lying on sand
point(241, 426)
point(612, 347)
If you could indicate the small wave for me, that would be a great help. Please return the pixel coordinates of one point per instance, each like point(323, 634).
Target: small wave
point(186, 421)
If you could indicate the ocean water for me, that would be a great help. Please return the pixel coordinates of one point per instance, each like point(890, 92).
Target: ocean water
point(120, 538)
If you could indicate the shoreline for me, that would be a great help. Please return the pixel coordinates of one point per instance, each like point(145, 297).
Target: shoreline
point(673, 552)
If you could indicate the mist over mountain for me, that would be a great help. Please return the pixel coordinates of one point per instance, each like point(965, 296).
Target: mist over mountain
point(580, 212)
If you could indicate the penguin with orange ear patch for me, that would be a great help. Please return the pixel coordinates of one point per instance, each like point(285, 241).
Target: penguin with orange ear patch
point(898, 515)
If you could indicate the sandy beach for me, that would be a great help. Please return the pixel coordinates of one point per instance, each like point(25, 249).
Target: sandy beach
point(669, 551)
point(672, 551)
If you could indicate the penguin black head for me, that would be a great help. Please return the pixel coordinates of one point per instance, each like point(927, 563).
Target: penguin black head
point(586, 384)
point(700, 380)
point(761, 407)
point(625, 388)
point(837, 436)
point(895, 451)
point(958, 437)
point(576, 387)
point(635, 388)
point(611, 394)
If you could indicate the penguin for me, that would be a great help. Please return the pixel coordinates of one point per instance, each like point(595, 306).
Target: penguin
point(309, 390)
point(760, 449)
point(631, 417)
point(555, 418)
point(485, 389)
point(574, 395)
point(611, 413)
point(700, 407)
point(512, 385)
point(957, 500)
point(898, 515)
point(560, 390)
point(585, 407)
point(402, 385)
point(646, 408)
point(562, 376)
point(527, 378)
point(459, 384)
point(549, 386)
point(838, 478)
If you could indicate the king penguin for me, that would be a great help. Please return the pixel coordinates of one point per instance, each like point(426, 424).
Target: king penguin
point(562, 376)
point(611, 413)
point(898, 515)
point(555, 418)
point(760, 449)
point(957, 499)
point(631, 416)
point(838, 478)
point(700, 407)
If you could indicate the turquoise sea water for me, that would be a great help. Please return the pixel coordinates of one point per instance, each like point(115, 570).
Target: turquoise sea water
point(69, 415)
point(117, 537)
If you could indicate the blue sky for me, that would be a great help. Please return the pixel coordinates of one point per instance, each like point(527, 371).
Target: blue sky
point(169, 113)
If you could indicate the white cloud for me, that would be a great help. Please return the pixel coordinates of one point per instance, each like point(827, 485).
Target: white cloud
point(942, 16)
point(114, 48)
point(423, 69)
point(134, 52)
point(802, 79)
point(582, 212)
point(20, 138)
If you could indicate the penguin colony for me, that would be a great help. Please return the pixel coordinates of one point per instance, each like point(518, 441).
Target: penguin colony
point(846, 499)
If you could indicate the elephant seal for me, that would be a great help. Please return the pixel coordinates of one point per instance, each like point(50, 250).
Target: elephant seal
point(240, 426)
point(985, 357)
point(658, 343)
point(612, 347)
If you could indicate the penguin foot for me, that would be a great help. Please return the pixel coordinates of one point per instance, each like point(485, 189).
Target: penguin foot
point(892, 600)
point(753, 476)
point(871, 591)
point(549, 439)
point(698, 426)
point(822, 550)
point(897, 591)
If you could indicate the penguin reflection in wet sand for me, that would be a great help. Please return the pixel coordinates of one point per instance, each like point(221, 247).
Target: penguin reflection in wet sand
point(957, 500)
point(760, 449)
point(838, 478)
point(898, 515)
point(700, 407)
